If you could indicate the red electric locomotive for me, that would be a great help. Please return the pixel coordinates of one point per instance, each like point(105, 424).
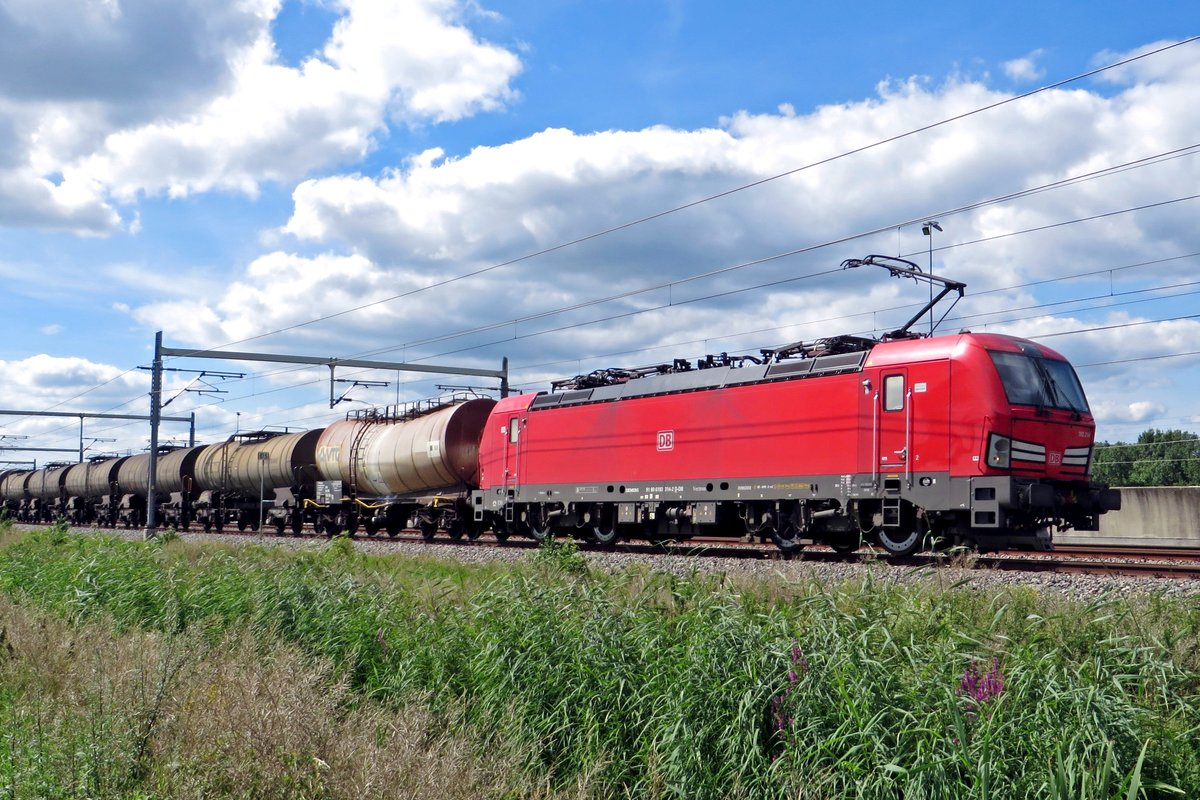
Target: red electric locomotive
point(976, 439)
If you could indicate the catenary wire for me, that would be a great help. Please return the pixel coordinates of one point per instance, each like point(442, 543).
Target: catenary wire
point(726, 193)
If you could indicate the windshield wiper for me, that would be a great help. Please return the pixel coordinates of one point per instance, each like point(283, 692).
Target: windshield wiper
point(1049, 387)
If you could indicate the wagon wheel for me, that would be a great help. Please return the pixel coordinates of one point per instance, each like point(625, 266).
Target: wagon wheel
point(604, 527)
point(297, 522)
point(206, 524)
point(456, 529)
point(370, 526)
point(280, 526)
point(474, 530)
point(393, 530)
point(428, 529)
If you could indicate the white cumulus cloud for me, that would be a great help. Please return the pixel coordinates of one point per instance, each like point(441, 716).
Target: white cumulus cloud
point(1025, 69)
point(192, 96)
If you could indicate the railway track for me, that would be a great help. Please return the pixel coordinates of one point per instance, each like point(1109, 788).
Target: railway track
point(1180, 563)
point(1111, 560)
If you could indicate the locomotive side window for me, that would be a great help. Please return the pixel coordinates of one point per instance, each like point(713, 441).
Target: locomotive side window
point(893, 393)
point(514, 429)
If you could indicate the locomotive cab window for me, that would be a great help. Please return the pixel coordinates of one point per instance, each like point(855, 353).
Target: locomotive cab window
point(514, 429)
point(1041, 382)
point(893, 393)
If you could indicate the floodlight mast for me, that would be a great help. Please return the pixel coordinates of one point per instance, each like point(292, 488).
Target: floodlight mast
point(903, 268)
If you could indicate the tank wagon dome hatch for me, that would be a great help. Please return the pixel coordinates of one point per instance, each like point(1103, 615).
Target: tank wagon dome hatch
point(405, 450)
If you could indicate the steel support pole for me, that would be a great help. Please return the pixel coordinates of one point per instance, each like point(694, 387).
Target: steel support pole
point(504, 378)
point(81, 438)
point(155, 412)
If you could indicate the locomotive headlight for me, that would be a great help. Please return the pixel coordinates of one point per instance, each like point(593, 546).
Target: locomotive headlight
point(999, 450)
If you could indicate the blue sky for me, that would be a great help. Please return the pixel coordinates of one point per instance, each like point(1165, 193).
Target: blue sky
point(221, 171)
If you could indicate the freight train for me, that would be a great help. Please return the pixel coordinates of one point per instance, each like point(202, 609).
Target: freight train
point(906, 441)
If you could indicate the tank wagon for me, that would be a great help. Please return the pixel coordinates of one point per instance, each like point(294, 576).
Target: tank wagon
point(236, 479)
point(12, 491)
point(43, 496)
point(89, 488)
point(407, 467)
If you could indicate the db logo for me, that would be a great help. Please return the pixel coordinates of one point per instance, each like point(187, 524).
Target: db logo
point(1055, 458)
point(666, 440)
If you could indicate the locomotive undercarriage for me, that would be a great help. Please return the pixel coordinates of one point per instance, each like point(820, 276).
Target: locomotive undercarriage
point(901, 514)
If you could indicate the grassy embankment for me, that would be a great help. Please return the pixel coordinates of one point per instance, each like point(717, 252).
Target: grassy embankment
point(175, 670)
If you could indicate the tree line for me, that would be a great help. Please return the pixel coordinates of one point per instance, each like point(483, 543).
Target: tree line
point(1157, 458)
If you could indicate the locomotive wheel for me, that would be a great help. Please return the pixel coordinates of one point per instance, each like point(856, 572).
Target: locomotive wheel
point(456, 529)
point(473, 531)
point(900, 542)
point(606, 535)
point(787, 539)
point(501, 532)
point(604, 529)
point(538, 532)
point(845, 543)
point(532, 526)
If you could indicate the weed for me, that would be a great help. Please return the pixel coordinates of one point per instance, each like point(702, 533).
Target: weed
point(167, 536)
point(562, 556)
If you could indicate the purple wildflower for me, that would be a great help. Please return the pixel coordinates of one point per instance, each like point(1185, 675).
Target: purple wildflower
point(798, 659)
point(777, 712)
point(981, 687)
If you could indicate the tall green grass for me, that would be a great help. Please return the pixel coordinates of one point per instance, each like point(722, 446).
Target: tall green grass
point(640, 684)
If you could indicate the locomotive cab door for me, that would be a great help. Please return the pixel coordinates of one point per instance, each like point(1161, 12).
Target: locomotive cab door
point(513, 432)
point(893, 422)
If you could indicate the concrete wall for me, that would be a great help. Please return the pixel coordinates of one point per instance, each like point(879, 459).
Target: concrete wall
point(1167, 515)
